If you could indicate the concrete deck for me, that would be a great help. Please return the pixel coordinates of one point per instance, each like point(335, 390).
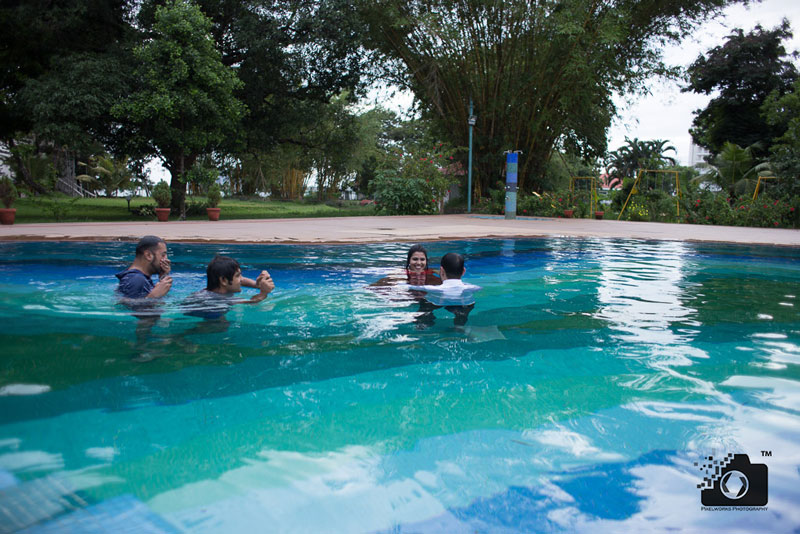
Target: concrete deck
point(402, 228)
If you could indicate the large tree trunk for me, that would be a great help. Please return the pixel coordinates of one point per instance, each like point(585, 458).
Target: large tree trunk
point(177, 167)
point(27, 178)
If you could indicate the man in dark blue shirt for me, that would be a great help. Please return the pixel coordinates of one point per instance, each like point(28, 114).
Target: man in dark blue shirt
point(151, 258)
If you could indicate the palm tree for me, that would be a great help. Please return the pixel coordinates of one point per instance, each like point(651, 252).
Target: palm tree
point(733, 169)
point(627, 159)
point(107, 172)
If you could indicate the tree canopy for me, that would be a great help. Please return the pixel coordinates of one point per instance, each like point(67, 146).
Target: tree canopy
point(185, 104)
point(635, 154)
point(744, 70)
point(541, 74)
point(783, 111)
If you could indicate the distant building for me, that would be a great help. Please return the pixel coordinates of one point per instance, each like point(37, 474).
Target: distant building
point(4, 153)
point(697, 155)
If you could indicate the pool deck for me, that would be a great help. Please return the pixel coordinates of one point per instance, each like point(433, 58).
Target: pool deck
point(399, 228)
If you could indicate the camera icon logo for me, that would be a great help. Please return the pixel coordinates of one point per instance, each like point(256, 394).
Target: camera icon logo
point(733, 481)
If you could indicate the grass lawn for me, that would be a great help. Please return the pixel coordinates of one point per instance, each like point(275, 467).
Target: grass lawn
point(64, 209)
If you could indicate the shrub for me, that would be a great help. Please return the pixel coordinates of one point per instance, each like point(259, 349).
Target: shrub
point(162, 194)
point(8, 192)
point(214, 195)
point(196, 207)
point(147, 210)
point(636, 211)
point(398, 195)
point(661, 205)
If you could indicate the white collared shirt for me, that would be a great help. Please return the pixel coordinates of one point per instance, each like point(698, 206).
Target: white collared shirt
point(451, 292)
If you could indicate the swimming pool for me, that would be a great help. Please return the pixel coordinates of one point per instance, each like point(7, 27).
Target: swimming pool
point(588, 380)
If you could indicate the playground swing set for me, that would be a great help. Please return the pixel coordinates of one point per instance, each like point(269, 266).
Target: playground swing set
point(638, 184)
point(761, 180)
point(588, 184)
point(591, 189)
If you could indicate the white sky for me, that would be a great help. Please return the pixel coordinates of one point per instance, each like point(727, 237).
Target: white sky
point(666, 113)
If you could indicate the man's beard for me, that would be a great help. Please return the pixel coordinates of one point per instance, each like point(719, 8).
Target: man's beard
point(156, 267)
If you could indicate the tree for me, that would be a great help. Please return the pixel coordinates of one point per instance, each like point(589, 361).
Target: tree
point(734, 170)
point(62, 66)
point(635, 155)
point(540, 74)
point(783, 111)
point(287, 53)
point(744, 70)
point(38, 37)
point(185, 105)
point(108, 172)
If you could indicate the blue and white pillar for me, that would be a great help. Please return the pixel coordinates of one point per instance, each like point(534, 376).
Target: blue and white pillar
point(511, 184)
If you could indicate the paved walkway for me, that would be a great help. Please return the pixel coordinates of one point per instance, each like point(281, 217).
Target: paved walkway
point(402, 228)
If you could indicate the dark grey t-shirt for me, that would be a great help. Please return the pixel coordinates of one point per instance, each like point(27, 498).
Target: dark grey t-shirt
point(134, 284)
point(207, 304)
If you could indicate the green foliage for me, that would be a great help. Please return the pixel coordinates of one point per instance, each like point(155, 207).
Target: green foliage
point(58, 208)
point(637, 210)
point(147, 211)
point(396, 194)
point(735, 171)
point(539, 73)
point(32, 168)
point(202, 174)
point(415, 183)
point(185, 103)
point(783, 111)
point(214, 195)
point(162, 194)
point(705, 207)
point(30, 210)
point(634, 155)
point(46, 49)
point(743, 71)
point(106, 171)
point(8, 192)
point(661, 205)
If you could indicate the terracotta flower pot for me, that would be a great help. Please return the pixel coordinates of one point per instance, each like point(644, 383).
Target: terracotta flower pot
point(162, 214)
point(568, 213)
point(7, 215)
point(213, 214)
point(599, 214)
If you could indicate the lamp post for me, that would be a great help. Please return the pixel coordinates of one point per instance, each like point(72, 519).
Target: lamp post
point(471, 121)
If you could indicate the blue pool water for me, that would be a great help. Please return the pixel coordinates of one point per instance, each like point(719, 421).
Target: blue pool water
point(589, 378)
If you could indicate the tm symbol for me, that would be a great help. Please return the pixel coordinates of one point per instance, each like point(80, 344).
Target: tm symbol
point(766, 453)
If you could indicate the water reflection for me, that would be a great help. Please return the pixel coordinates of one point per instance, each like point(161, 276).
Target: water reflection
point(592, 374)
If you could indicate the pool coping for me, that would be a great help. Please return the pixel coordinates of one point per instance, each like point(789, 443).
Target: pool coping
point(375, 229)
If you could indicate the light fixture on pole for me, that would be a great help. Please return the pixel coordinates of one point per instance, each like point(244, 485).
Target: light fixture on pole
point(471, 121)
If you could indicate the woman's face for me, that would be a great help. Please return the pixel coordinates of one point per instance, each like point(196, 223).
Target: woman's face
point(417, 263)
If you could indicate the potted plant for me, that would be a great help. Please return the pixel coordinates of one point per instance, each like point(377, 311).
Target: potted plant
point(163, 196)
point(214, 196)
point(8, 194)
point(599, 214)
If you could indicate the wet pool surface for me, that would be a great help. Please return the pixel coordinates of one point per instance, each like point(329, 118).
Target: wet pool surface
point(588, 380)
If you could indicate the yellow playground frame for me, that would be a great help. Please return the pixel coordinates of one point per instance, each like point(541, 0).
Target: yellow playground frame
point(758, 185)
point(592, 189)
point(639, 179)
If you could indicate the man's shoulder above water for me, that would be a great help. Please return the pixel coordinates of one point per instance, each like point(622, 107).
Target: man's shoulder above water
point(134, 284)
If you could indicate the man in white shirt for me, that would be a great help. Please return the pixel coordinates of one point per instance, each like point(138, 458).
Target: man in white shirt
point(453, 294)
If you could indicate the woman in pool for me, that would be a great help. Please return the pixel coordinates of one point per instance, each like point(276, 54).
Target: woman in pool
point(417, 271)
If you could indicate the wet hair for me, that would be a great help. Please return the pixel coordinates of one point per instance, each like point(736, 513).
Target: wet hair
point(148, 242)
point(453, 265)
point(412, 250)
point(220, 267)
